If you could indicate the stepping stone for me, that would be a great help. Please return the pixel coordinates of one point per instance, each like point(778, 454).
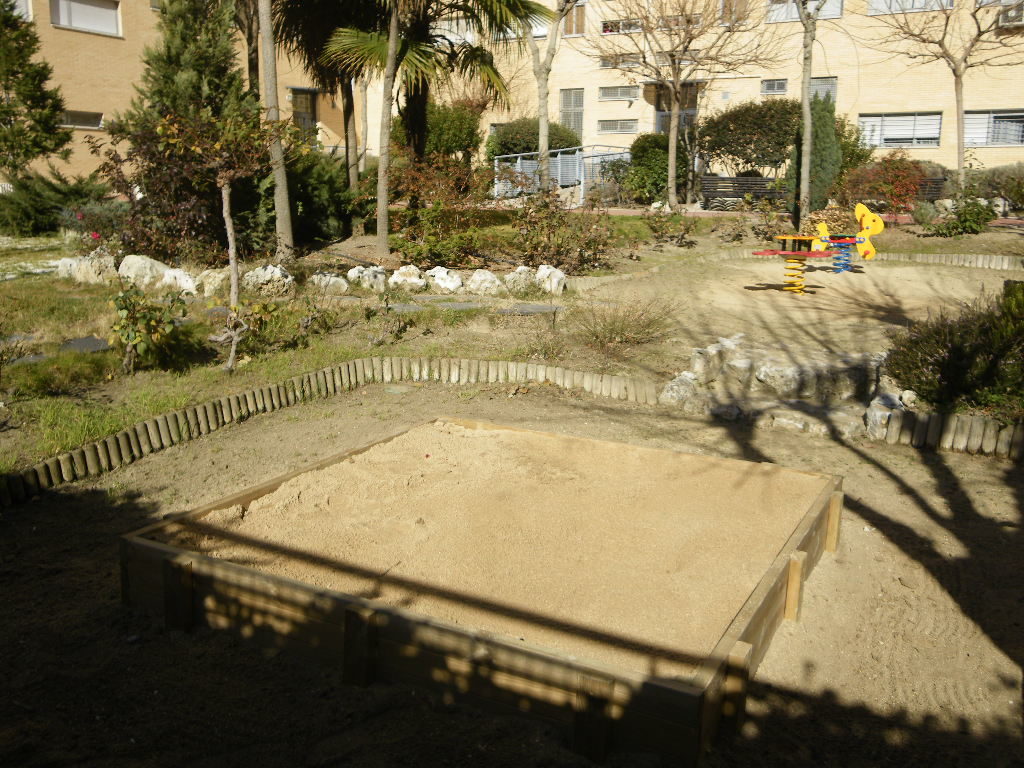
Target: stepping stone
point(524, 310)
point(85, 344)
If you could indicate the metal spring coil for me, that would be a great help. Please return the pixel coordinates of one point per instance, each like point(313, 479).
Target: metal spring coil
point(794, 277)
point(841, 262)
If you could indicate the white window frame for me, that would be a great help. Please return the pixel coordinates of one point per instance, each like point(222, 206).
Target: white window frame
point(621, 26)
point(914, 139)
point(618, 90)
point(990, 118)
point(67, 122)
point(618, 126)
point(63, 17)
point(774, 91)
point(575, 13)
point(890, 7)
point(24, 9)
point(832, 92)
point(563, 110)
point(627, 61)
point(780, 11)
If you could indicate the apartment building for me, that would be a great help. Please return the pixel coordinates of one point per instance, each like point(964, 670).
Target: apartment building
point(895, 101)
point(95, 48)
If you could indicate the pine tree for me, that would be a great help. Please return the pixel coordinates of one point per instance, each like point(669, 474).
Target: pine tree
point(191, 75)
point(30, 112)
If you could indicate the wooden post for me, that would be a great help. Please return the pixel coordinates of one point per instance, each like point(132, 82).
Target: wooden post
point(734, 690)
point(794, 585)
point(835, 513)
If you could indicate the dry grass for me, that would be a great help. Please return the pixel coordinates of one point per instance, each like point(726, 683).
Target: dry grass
point(621, 324)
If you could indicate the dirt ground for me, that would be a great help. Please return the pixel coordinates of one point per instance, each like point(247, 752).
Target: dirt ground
point(659, 548)
point(909, 651)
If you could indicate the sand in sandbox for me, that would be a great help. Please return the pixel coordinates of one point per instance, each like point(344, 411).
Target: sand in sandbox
point(648, 548)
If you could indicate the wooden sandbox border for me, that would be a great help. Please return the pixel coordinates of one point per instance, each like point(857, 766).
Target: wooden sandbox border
point(601, 709)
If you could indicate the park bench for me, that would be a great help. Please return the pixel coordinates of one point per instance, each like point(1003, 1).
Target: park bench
point(722, 192)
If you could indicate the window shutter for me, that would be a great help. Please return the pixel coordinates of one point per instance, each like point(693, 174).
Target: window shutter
point(870, 130)
point(824, 88)
point(976, 128)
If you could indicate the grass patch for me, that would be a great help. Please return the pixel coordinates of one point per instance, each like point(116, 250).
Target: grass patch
point(611, 325)
point(54, 310)
point(65, 374)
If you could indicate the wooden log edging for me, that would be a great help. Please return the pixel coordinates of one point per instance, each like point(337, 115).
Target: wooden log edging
point(167, 430)
point(947, 432)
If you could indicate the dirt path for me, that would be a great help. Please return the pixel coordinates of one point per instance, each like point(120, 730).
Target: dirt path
point(909, 652)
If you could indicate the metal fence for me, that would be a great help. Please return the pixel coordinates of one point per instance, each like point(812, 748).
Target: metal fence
point(582, 167)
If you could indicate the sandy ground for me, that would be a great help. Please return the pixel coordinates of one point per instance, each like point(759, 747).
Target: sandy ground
point(659, 549)
point(909, 651)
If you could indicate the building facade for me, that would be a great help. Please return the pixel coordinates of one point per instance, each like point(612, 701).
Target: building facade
point(95, 48)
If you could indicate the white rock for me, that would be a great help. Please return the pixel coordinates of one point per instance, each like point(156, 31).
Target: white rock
point(909, 398)
point(876, 420)
point(177, 280)
point(210, 282)
point(331, 285)
point(444, 279)
point(550, 280)
point(682, 388)
point(143, 271)
point(270, 280)
point(375, 278)
point(407, 277)
point(485, 283)
point(521, 280)
point(355, 275)
point(787, 380)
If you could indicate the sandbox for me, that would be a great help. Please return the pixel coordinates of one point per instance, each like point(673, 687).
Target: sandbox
point(625, 593)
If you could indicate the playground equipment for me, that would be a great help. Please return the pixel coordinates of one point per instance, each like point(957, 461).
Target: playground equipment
point(825, 245)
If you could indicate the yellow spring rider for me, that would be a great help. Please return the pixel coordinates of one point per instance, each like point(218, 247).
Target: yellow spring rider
point(825, 245)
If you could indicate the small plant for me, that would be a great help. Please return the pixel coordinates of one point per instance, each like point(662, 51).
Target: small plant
point(629, 324)
point(670, 229)
point(770, 219)
point(386, 327)
point(12, 346)
point(731, 229)
point(924, 213)
point(143, 325)
point(969, 216)
point(547, 233)
point(894, 180)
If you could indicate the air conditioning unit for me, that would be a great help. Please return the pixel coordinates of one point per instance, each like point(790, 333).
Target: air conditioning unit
point(1012, 17)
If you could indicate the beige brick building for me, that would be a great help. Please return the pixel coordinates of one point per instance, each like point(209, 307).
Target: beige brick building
point(896, 104)
point(95, 48)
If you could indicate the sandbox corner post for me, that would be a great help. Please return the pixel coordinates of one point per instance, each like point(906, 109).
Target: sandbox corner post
point(734, 687)
point(835, 514)
point(794, 585)
point(178, 597)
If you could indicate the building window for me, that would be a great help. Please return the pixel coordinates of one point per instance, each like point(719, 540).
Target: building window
point(23, 8)
point(75, 119)
point(773, 87)
point(574, 21)
point(663, 119)
point(667, 58)
point(620, 26)
point(619, 93)
point(918, 129)
point(879, 7)
point(786, 10)
point(156, 5)
point(493, 128)
point(824, 87)
point(304, 112)
point(100, 16)
point(621, 61)
point(679, 22)
point(617, 126)
point(1004, 127)
point(571, 114)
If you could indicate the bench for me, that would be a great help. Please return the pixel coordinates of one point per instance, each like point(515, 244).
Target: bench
point(721, 192)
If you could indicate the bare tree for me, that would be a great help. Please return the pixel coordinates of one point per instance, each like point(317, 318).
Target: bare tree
point(676, 44)
point(962, 34)
point(387, 102)
point(542, 71)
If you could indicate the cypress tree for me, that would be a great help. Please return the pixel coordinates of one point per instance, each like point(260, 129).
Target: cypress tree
point(826, 154)
point(30, 112)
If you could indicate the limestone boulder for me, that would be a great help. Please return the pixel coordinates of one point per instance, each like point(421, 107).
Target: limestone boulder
point(521, 280)
point(144, 272)
point(177, 281)
point(271, 280)
point(443, 280)
point(373, 278)
point(213, 282)
point(97, 268)
point(485, 283)
point(329, 284)
point(408, 278)
point(682, 388)
point(550, 279)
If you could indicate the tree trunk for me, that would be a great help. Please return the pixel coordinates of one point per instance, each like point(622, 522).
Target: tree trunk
point(229, 227)
point(348, 108)
point(364, 123)
point(414, 117)
point(282, 208)
point(673, 145)
point(543, 161)
point(958, 92)
point(390, 65)
point(248, 21)
point(807, 143)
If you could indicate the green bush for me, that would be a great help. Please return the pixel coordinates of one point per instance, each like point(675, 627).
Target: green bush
point(96, 222)
point(452, 131)
point(971, 361)
point(756, 134)
point(970, 216)
point(924, 213)
point(647, 179)
point(826, 154)
point(1005, 181)
point(36, 203)
point(520, 136)
point(547, 233)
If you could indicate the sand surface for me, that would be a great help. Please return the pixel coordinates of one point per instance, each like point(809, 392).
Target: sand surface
point(628, 556)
